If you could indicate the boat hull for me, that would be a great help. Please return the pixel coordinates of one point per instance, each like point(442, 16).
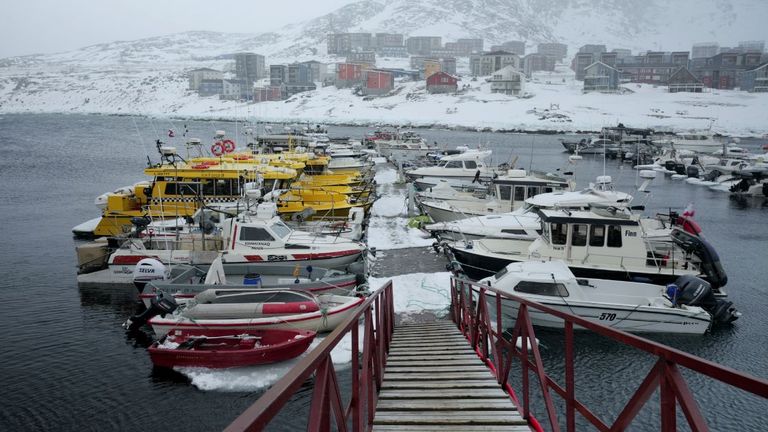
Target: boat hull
point(265, 347)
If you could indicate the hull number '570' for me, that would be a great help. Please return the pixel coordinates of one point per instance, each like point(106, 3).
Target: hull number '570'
point(607, 316)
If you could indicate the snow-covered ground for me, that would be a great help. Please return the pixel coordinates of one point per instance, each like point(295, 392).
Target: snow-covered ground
point(556, 103)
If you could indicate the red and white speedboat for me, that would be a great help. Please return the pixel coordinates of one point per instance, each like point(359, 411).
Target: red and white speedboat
point(225, 349)
point(238, 313)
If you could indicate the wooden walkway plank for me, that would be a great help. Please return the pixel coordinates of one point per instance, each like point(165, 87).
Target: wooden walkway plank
point(434, 381)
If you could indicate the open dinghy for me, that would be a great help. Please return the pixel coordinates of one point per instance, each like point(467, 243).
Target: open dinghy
point(224, 349)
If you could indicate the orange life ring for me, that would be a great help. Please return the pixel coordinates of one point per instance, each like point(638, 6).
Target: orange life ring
point(228, 145)
point(217, 149)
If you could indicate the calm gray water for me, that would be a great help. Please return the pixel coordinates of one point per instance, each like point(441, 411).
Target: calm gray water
point(67, 364)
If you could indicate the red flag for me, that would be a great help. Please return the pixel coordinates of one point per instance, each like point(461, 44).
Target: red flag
point(689, 211)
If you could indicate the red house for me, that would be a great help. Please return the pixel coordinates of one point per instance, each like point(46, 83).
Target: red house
point(348, 74)
point(269, 93)
point(441, 82)
point(377, 82)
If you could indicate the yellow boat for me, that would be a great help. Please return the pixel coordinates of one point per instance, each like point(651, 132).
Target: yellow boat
point(181, 189)
point(316, 204)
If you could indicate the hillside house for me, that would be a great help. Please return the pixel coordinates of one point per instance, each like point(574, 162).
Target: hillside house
point(442, 82)
point(423, 45)
point(652, 67)
point(755, 80)
point(344, 43)
point(724, 70)
point(557, 50)
point(514, 47)
point(318, 71)
point(538, 62)
point(362, 57)
point(348, 74)
point(210, 87)
point(508, 80)
point(431, 67)
point(601, 78)
point(487, 63)
point(234, 89)
point(682, 80)
point(278, 74)
point(268, 93)
point(196, 76)
point(249, 67)
point(377, 82)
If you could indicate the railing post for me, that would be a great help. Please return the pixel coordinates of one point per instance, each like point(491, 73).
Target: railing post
point(499, 354)
point(667, 400)
point(522, 316)
point(355, 402)
point(570, 390)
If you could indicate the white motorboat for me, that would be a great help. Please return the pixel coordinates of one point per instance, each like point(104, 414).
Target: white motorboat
point(697, 142)
point(459, 170)
point(623, 305)
point(321, 314)
point(604, 243)
point(510, 192)
point(524, 223)
point(399, 147)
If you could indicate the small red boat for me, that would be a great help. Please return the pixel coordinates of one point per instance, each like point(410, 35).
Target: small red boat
point(223, 349)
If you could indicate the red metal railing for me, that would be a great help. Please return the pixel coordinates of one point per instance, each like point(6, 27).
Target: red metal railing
point(471, 315)
point(378, 324)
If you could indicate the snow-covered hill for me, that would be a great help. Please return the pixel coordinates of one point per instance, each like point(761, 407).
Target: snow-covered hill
point(148, 76)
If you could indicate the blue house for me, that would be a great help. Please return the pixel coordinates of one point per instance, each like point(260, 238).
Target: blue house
point(600, 77)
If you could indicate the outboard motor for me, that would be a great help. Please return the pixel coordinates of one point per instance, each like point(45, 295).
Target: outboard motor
point(692, 171)
point(692, 291)
point(670, 165)
point(148, 270)
point(680, 168)
point(161, 304)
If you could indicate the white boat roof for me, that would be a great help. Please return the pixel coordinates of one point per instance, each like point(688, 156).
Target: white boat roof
point(578, 198)
point(608, 215)
point(467, 155)
point(540, 271)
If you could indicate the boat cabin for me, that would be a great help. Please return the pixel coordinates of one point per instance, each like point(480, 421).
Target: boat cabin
point(517, 186)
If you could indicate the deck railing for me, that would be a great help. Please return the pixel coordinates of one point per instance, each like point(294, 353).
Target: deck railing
point(377, 313)
point(470, 304)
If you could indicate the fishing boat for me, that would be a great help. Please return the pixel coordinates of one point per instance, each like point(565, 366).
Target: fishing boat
point(225, 349)
point(466, 168)
point(689, 307)
point(510, 192)
point(604, 243)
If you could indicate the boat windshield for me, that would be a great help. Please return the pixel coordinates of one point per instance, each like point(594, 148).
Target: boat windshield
point(280, 229)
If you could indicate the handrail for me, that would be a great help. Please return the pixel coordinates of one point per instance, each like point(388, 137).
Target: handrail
point(470, 304)
point(378, 319)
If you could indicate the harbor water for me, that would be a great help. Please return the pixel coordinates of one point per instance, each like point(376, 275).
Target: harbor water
point(68, 365)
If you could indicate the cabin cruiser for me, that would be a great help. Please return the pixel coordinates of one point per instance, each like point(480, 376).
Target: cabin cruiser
point(697, 142)
point(606, 243)
point(524, 222)
point(399, 147)
point(590, 146)
point(467, 168)
point(511, 190)
point(686, 307)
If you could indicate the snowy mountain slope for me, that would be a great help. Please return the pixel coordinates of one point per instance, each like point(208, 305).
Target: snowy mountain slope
point(148, 76)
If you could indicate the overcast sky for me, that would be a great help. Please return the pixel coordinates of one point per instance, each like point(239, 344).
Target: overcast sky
point(46, 26)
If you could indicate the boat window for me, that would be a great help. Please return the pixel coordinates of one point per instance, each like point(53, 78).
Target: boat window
point(513, 231)
point(614, 236)
point(542, 288)
point(559, 233)
point(597, 235)
point(519, 193)
point(533, 191)
point(548, 189)
point(174, 188)
point(470, 164)
point(578, 235)
point(281, 229)
point(453, 164)
point(505, 193)
point(254, 234)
